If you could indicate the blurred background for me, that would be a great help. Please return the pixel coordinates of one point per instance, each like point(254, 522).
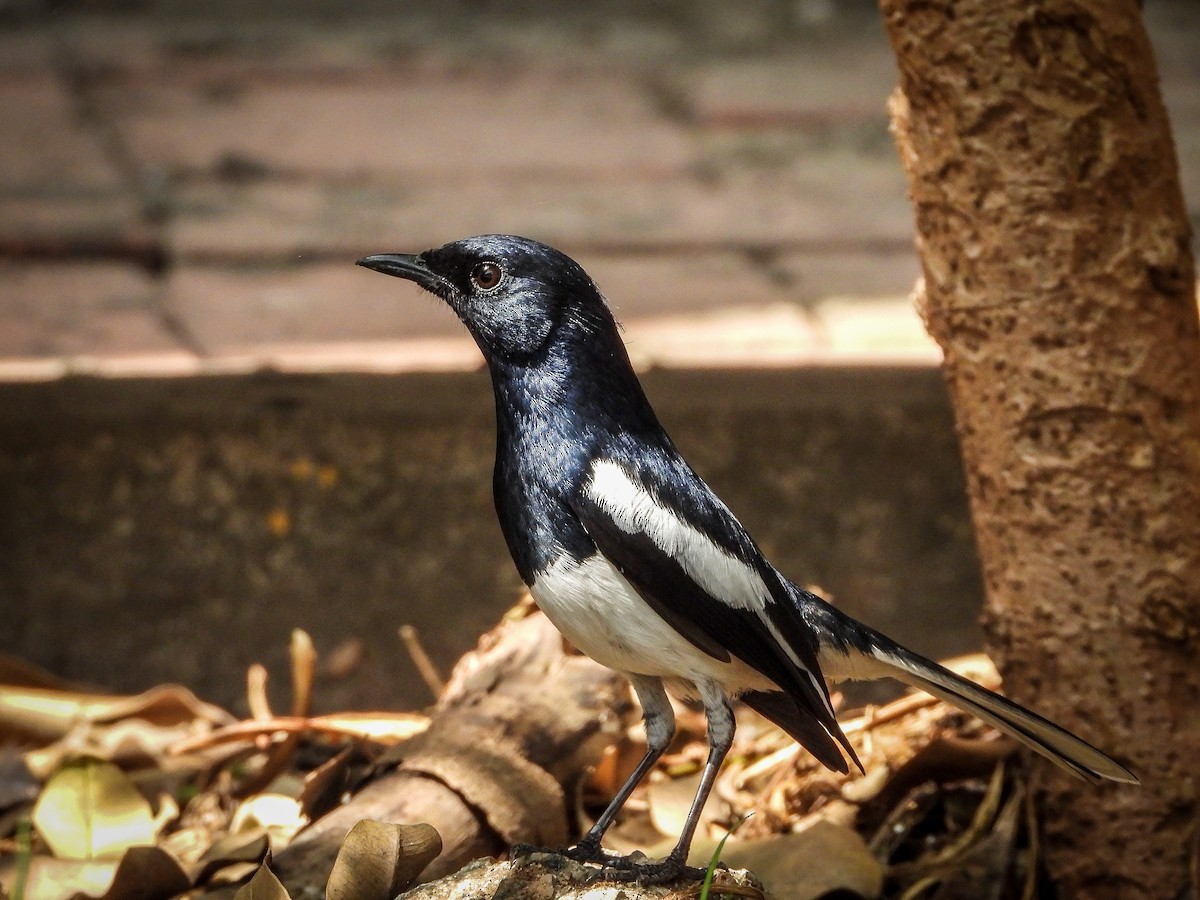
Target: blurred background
point(217, 428)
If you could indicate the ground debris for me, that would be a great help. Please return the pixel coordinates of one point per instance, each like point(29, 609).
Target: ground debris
point(153, 796)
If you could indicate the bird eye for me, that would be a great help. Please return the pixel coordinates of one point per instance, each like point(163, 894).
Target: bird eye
point(486, 275)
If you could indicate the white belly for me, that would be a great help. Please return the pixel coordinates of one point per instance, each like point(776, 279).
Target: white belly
point(599, 612)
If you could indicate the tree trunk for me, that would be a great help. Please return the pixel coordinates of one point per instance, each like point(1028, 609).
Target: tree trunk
point(1059, 282)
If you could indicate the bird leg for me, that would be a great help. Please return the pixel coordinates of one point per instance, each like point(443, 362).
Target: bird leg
point(659, 721)
point(658, 718)
point(721, 727)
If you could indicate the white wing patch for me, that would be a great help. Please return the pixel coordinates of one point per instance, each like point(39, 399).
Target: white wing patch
point(636, 511)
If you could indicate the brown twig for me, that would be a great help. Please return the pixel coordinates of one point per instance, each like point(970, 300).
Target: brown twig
point(425, 667)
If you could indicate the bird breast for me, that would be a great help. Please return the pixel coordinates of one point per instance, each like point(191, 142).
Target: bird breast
point(600, 612)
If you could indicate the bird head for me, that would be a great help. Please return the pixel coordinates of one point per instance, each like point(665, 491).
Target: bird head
point(512, 293)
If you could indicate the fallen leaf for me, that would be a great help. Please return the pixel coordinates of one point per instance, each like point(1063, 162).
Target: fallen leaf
point(230, 850)
point(144, 873)
point(234, 873)
point(819, 860)
point(378, 860)
point(49, 714)
point(670, 799)
point(130, 743)
point(59, 879)
point(280, 816)
point(263, 886)
point(324, 785)
point(89, 809)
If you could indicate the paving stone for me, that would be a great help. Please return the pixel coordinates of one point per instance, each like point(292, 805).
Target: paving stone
point(862, 332)
point(830, 203)
point(779, 334)
point(69, 310)
point(849, 331)
point(642, 286)
point(444, 125)
point(45, 146)
point(231, 309)
point(73, 222)
point(214, 50)
point(809, 89)
point(863, 273)
point(387, 132)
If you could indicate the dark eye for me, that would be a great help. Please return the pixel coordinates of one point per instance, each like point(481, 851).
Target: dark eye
point(486, 275)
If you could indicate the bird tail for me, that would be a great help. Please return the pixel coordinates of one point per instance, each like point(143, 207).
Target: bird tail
point(1040, 734)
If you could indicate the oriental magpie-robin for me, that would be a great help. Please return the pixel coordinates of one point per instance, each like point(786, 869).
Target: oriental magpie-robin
point(636, 560)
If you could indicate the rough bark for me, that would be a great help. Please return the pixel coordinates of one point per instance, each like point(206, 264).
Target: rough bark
point(1059, 282)
point(517, 727)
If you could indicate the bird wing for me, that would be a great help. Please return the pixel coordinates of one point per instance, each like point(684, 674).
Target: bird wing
point(694, 564)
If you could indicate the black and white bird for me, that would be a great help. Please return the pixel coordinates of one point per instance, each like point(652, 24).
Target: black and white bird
point(635, 559)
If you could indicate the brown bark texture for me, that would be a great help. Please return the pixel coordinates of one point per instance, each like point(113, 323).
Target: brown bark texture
point(1059, 282)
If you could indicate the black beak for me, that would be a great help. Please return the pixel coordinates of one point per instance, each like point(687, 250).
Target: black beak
point(402, 265)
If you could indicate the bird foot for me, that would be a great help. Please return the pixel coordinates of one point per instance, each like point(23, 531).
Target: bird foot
point(586, 851)
point(627, 869)
point(635, 868)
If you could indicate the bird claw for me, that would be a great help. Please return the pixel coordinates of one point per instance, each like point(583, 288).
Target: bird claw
point(615, 867)
point(519, 850)
point(629, 870)
point(586, 851)
point(589, 851)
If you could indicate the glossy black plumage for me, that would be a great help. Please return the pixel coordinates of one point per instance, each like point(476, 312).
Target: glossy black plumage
point(632, 555)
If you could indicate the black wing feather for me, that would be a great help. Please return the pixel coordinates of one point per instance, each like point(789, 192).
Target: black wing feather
point(721, 630)
point(800, 725)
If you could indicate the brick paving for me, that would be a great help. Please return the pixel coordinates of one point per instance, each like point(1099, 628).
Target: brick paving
point(185, 191)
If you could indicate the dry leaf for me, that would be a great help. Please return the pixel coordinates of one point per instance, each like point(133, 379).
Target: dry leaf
point(670, 799)
point(234, 873)
point(324, 785)
point(231, 850)
point(130, 743)
point(280, 816)
point(90, 809)
point(823, 858)
point(263, 886)
point(378, 860)
point(49, 714)
point(144, 873)
point(59, 879)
